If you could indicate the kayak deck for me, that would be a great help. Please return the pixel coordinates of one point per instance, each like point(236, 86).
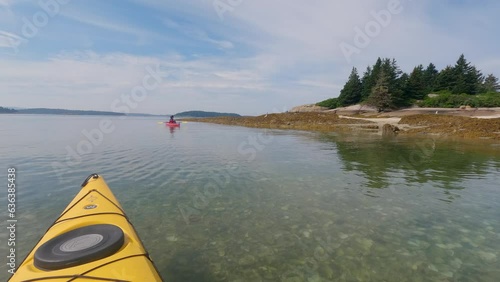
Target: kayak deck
point(92, 240)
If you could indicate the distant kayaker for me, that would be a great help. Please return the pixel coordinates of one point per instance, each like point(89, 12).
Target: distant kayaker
point(172, 120)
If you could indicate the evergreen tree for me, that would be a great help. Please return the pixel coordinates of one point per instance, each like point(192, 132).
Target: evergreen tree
point(384, 85)
point(371, 80)
point(365, 82)
point(403, 80)
point(403, 83)
point(393, 72)
point(445, 79)
point(460, 70)
point(467, 78)
point(475, 79)
point(430, 78)
point(380, 97)
point(351, 93)
point(415, 88)
point(491, 84)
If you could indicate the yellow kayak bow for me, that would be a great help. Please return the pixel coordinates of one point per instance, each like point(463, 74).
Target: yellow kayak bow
point(92, 240)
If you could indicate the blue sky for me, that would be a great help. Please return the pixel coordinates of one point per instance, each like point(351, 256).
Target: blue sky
point(249, 57)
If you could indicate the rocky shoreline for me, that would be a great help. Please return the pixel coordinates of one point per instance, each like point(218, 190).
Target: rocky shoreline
point(477, 124)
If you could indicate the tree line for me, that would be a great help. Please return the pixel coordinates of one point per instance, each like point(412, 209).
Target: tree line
point(384, 86)
point(7, 111)
point(204, 114)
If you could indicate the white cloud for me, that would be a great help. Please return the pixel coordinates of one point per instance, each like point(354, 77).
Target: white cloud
point(295, 32)
point(197, 33)
point(7, 17)
point(262, 53)
point(298, 32)
point(320, 84)
point(9, 40)
point(77, 78)
point(105, 24)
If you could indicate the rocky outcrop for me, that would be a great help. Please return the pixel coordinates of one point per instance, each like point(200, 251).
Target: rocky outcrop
point(308, 108)
point(389, 130)
point(356, 110)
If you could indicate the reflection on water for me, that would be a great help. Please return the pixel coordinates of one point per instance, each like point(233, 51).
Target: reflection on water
point(173, 129)
point(420, 161)
point(308, 207)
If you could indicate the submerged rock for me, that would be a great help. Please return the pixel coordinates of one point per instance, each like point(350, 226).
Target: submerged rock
point(366, 244)
point(314, 278)
point(247, 260)
point(487, 257)
point(172, 238)
point(326, 271)
point(456, 263)
point(432, 267)
point(306, 233)
point(389, 130)
point(442, 246)
point(447, 274)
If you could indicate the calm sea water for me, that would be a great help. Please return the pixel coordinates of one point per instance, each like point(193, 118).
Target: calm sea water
point(220, 203)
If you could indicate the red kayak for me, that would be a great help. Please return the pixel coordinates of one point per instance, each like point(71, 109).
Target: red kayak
point(173, 124)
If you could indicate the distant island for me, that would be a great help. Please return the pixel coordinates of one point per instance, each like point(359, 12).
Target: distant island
point(7, 111)
point(143, 115)
point(203, 114)
point(45, 111)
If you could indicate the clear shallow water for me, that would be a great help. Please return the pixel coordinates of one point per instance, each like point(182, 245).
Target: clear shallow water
point(218, 203)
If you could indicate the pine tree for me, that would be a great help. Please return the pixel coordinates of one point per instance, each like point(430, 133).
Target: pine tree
point(393, 73)
point(445, 79)
point(365, 82)
point(351, 93)
point(430, 78)
point(384, 85)
point(380, 97)
point(475, 80)
point(466, 77)
point(402, 84)
point(371, 80)
point(491, 84)
point(415, 88)
point(403, 80)
point(459, 71)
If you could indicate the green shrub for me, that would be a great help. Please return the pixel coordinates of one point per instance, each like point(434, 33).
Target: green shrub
point(331, 103)
point(447, 100)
